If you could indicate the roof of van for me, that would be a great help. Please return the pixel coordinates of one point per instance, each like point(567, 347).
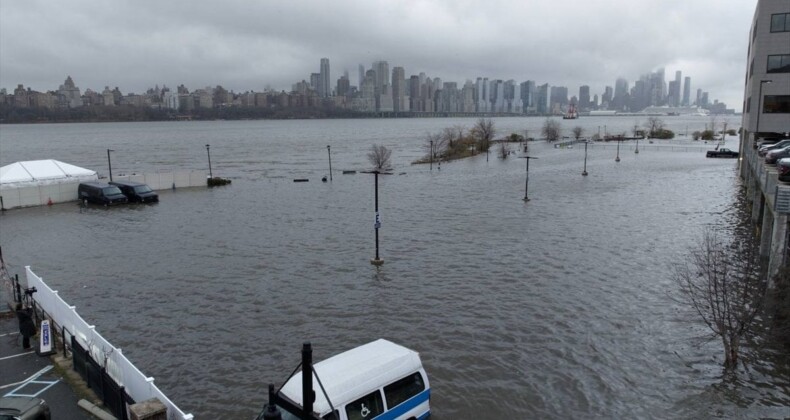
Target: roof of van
point(354, 373)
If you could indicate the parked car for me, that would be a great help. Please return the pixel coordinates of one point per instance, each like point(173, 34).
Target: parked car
point(137, 192)
point(783, 168)
point(774, 155)
point(763, 150)
point(722, 153)
point(23, 408)
point(101, 193)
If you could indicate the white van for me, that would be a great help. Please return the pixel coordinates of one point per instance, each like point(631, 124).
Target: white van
point(379, 380)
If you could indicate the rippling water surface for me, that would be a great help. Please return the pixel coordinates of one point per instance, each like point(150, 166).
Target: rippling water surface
point(558, 308)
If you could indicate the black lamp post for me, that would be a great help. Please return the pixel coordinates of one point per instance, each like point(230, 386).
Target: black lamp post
point(617, 159)
point(759, 111)
point(637, 146)
point(431, 155)
point(109, 163)
point(377, 223)
point(329, 152)
point(526, 183)
point(584, 172)
point(208, 152)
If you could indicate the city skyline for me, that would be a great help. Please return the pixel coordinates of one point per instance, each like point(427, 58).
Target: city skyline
point(251, 46)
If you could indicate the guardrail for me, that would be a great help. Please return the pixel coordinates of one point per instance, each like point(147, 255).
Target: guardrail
point(116, 365)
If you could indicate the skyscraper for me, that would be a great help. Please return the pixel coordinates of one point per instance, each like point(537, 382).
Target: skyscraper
point(398, 89)
point(324, 88)
point(676, 91)
point(584, 97)
point(686, 91)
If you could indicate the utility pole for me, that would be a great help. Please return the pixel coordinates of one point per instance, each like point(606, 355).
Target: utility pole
point(210, 174)
point(109, 163)
point(526, 183)
point(329, 152)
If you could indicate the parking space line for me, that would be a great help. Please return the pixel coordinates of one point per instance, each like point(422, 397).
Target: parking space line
point(48, 383)
point(31, 378)
point(17, 355)
point(7, 334)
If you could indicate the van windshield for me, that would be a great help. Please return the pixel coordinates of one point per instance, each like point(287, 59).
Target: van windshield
point(111, 191)
point(142, 189)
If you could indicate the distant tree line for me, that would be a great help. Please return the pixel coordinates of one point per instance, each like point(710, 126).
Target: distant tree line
point(16, 115)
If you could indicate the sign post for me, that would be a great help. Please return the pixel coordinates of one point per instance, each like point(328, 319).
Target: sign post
point(45, 339)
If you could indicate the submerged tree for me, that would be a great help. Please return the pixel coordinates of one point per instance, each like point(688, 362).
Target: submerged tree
point(724, 286)
point(483, 132)
point(379, 157)
point(551, 129)
point(504, 150)
point(654, 126)
point(577, 132)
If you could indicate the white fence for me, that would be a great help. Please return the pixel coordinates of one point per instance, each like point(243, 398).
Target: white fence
point(40, 195)
point(138, 386)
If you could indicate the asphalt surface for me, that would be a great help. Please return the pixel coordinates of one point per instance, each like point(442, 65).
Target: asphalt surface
point(25, 373)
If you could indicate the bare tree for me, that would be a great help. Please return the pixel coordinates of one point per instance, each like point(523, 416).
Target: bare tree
point(654, 125)
point(551, 129)
point(504, 150)
point(577, 132)
point(483, 131)
point(379, 157)
point(435, 145)
point(722, 283)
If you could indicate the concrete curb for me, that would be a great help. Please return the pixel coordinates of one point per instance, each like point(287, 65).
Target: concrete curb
point(95, 410)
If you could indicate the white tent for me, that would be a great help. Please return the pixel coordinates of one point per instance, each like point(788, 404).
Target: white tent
point(41, 172)
point(39, 182)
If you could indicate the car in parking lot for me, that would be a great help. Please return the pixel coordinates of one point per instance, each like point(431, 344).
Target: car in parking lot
point(783, 169)
point(774, 155)
point(100, 193)
point(763, 150)
point(23, 408)
point(136, 192)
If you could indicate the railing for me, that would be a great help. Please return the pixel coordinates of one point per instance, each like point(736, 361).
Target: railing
point(115, 364)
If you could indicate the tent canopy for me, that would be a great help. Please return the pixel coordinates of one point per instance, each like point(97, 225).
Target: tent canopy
point(37, 172)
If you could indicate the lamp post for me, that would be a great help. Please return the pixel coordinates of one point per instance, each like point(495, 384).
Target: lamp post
point(109, 163)
point(617, 159)
point(526, 183)
point(210, 174)
point(377, 223)
point(431, 155)
point(329, 152)
point(637, 146)
point(759, 111)
point(584, 172)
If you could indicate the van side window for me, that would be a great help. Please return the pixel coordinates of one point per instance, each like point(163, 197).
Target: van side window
point(366, 407)
point(403, 389)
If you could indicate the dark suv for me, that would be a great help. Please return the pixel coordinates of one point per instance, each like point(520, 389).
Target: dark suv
point(137, 191)
point(100, 193)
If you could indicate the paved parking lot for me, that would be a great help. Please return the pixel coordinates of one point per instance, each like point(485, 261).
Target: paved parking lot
point(25, 373)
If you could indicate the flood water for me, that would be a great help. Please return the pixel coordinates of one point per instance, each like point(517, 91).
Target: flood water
point(561, 307)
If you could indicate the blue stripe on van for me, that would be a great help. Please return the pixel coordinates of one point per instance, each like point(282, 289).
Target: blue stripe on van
point(407, 405)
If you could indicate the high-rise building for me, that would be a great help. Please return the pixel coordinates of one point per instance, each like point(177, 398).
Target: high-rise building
point(361, 70)
point(382, 69)
point(676, 90)
point(686, 91)
point(343, 86)
point(584, 97)
point(543, 99)
point(398, 89)
point(324, 87)
point(414, 93)
point(698, 101)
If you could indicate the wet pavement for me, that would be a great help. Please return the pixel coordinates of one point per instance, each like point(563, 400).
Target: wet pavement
point(25, 373)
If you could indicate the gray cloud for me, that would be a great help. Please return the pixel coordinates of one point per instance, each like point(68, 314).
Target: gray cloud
point(248, 45)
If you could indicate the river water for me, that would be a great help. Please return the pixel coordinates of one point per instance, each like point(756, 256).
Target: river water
point(562, 307)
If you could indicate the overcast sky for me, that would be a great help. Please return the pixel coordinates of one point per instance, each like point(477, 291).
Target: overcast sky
point(250, 45)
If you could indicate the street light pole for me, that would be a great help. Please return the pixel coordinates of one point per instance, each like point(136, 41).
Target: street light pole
point(759, 111)
point(637, 146)
point(617, 159)
point(431, 155)
point(329, 152)
point(526, 183)
point(377, 261)
point(584, 172)
point(210, 174)
point(109, 163)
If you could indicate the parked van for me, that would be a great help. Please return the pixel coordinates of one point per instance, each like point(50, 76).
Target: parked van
point(136, 192)
point(376, 380)
point(100, 193)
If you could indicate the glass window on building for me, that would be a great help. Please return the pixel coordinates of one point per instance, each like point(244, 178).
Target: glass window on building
point(779, 63)
point(780, 22)
point(776, 104)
